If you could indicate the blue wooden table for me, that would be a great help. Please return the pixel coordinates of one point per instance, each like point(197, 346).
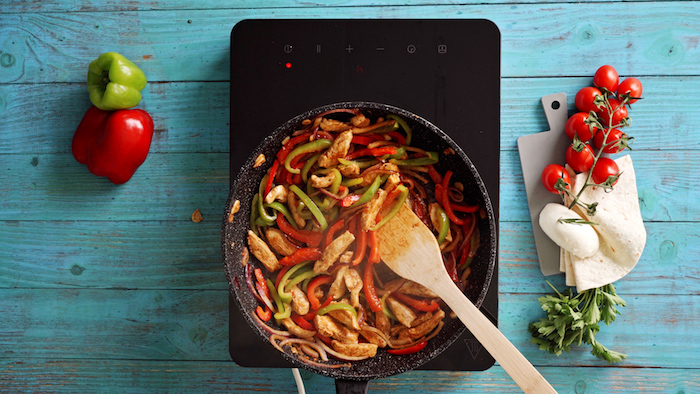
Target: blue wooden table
point(115, 288)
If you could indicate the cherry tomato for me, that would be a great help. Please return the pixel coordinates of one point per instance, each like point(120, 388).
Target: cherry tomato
point(580, 161)
point(630, 87)
point(551, 174)
point(603, 169)
point(606, 78)
point(619, 113)
point(577, 124)
point(585, 97)
point(613, 136)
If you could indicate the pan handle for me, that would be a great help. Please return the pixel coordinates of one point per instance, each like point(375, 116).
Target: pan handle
point(351, 386)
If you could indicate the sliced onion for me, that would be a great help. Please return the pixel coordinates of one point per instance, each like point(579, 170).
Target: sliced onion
point(266, 300)
point(309, 351)
point(341, 356)
point(300, 341)
point(321, 365)
point(249, 282)
point(269, 329)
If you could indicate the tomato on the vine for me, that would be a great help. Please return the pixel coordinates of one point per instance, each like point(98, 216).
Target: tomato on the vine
point(630, 87)
point(619, 113)
point(613, 137)
point(580, 161)
point(606, 77)
point(603, 169)
point(585, 99)
point(551, 174)
point(577, 125)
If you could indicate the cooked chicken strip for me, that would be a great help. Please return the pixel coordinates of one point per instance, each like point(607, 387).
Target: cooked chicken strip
point(403, 313)
point(278, 193)
point(371, 209)
point(426, 327)
point(329, 327)
point(296, 330)
point(337, 289)
point(260, 250)
point(333, 251)
point(300, 303)
point(355, 350)
point(353, 281)
point(279, 242)
point(373, 337)
point(337, 150)
point(321, 182)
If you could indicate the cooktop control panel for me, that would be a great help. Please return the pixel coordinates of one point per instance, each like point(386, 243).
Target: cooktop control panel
point(447, 71)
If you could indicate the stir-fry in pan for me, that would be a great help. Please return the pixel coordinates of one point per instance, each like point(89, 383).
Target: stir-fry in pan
point(323, 290)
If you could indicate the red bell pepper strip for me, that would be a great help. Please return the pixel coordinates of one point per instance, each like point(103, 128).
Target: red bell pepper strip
point(325, 339)
point(451, 267)
point(261, 281)
point(301, 255)
point(264, 314)
point(464, 208)
point(289, 146)
point(360, 245)
point(446, 199)
point(374, 256)
point(271, 178)
point(421, 305)
point(350, 199)
point(398, 137)
point(366, 139)
point(113, 144)
point(301, 322)
point(280, 275)
point(409, 350)
point(332, 230)
point(434, 175)
point(385, 150)
point(375, 304)
point(310, 290)
point(311, 238)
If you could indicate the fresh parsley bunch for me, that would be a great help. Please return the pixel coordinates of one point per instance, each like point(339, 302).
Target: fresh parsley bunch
point(574, 319)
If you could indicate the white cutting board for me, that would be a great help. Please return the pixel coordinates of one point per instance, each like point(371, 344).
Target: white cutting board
point(536, 152)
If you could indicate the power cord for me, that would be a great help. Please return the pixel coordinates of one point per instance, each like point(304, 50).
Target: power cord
point(299, 381)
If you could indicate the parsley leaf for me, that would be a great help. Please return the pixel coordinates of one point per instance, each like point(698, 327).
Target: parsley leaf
point(573, 319)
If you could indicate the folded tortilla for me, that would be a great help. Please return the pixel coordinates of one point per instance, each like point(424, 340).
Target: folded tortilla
point(620, 229)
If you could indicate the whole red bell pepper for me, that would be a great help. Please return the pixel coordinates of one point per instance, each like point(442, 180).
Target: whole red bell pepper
point(113, 144)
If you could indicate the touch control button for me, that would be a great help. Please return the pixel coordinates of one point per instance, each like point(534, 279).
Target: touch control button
point(411, 48)
point(288, 48)
point(349, 48)
point(442, 48)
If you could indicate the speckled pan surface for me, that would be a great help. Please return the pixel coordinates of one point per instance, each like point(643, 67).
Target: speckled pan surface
point(426, 136)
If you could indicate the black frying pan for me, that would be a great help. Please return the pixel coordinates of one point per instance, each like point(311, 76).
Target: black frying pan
point(426, 136)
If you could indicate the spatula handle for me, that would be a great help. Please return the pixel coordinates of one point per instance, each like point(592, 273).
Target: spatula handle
point(507, 355)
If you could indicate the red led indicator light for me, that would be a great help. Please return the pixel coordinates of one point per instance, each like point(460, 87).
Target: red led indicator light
point(288, 65)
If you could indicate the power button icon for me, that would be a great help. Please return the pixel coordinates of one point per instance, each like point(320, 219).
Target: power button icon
point(411, 49)
point(288, 48)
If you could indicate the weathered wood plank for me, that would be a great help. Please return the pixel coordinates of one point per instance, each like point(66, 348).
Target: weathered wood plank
point(18, 6)
point(192, 325)
point(657, 38)
point(194, 116)
point(186, 255)
point(56, 187)
point(126, 376)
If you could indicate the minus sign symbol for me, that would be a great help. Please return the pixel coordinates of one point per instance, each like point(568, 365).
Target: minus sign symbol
point(380, 48)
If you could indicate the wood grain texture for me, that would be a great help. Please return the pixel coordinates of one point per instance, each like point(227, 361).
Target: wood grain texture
point(194, 116)
point(658, 38)
point(129, 376)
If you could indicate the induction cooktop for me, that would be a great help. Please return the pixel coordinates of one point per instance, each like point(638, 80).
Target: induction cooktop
point(447, 71)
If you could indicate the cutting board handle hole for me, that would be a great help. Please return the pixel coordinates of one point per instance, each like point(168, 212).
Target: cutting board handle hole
point(555, 105)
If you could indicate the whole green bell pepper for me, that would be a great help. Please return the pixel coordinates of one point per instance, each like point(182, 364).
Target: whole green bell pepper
point(114, 82)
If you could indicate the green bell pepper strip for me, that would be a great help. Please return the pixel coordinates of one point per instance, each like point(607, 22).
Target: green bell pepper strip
point(309, 147)
point(336, 306)
point(360, 163)
point(400, 151)
point(421, 161)
point(286, 296)
point(310, 204)
point(337, 181)
point(387, 311)
point(444, 221)
point(114, 82)
point(404, 126)
point(254, 214)
point(351, 182)
point(369, 193)
point(282, 312)
point(302, 276)
point(304, 213)
point(307, 166)
point(260, 222)
point(269, 219)
point(279, 207)
point(395, 209)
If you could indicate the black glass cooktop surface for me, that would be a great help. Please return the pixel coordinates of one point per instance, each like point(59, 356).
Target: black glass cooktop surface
point(447, 71)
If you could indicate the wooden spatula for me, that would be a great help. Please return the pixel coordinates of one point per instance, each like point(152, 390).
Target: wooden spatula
point(411, 250)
